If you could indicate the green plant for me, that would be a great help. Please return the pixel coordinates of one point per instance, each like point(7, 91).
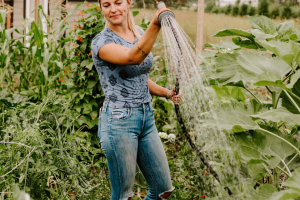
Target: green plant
point(38, 61)
point(243, 10)
point(215, 10)
point(55, 160)
point(263, 8)
point(274, 12)
point(251, 10)
point(189, 176)
point(209, 6)
point(49, 61)
point(267, 132)
point(222, 9)
point(87, 95)
point(228, 9)
point(295, 12)
point(235, 10)
point(286, 12)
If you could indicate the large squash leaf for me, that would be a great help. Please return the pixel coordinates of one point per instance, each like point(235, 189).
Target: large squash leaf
point(237, 117)
point(258, 68)
point(289, 101)
point(280, 115)
point(277, 147)
point(227, 68)
point(263, 23)
point(233, 32)
point(287, 51)
point(252, 68)
point(284, 27)
point(245, 43)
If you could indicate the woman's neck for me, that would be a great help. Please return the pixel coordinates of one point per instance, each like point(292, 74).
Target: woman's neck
point(121, 29)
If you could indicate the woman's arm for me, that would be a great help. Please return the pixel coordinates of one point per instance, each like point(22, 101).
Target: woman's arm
point(121, 55)
point(164, 92)
point(158, 90)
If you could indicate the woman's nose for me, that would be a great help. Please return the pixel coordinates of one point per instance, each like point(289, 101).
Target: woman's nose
point(113, 8)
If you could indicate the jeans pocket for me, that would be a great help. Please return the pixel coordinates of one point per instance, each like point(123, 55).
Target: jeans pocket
point(119, 114)
point(151, 108)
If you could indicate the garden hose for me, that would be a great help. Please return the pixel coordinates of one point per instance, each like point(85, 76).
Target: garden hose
point(166, 12)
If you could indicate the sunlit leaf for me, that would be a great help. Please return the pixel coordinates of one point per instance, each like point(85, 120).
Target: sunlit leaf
point(233, 32)
point(260, 35)
point(135, 13)
point(289, 101)
point(279, 115)
point(245, 43)
point(294, 78)
point(227, 68)
point(263, 23)
point(282, 28)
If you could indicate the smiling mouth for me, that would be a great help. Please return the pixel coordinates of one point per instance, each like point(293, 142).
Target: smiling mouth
point(115, 15)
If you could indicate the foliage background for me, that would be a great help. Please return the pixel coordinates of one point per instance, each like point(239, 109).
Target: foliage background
point(55, 107)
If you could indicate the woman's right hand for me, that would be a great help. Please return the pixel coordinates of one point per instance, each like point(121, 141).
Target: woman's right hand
point(155, 19)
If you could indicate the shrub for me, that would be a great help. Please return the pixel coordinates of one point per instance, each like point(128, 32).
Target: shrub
point(295, 12)
point(228, 9)
point(209, 6)
point(235, 10)
point(251, 10)
point(222, 9)
point(274, 12)
point(215, 10)
point(263, 7)
point(243, 10)
point(286, 12)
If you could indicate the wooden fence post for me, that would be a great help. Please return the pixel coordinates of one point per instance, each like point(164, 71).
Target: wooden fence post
point(200, 26)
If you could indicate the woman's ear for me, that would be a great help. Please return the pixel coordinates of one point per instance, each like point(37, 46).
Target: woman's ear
point(128, 1)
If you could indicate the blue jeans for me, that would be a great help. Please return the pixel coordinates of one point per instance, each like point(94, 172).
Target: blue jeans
point(129, 136)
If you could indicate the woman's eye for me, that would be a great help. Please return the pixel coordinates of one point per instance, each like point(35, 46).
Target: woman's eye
point(119, 3)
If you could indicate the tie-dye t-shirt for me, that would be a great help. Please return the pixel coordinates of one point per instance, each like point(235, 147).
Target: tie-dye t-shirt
point(124, 86)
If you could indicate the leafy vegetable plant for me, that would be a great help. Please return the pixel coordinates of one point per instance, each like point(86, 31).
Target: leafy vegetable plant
point(267, 131)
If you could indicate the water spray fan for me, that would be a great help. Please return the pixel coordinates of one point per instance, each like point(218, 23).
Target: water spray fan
point(164, 18)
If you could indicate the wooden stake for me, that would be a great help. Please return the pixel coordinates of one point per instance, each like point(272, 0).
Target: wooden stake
point(37, 2)
point(200, 26)
point(8, 21)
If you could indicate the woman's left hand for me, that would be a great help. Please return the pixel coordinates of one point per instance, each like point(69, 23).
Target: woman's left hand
point(175, 98)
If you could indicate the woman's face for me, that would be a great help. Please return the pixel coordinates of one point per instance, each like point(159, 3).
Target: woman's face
point(115, 11)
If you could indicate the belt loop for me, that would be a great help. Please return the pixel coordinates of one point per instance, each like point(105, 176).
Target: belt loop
point(150, 106)
point(104, 109)
point(100, 112)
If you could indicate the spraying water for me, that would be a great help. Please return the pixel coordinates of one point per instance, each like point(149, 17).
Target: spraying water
point(210, 144)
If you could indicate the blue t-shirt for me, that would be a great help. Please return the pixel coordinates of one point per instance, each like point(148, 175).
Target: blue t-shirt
point(124, 86)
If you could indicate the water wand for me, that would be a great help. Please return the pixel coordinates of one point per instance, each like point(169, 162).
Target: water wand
point(163, 12)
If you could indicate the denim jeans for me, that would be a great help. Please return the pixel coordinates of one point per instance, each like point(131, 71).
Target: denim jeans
point(129, 136)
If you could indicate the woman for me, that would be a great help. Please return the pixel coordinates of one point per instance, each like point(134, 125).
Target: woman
point(127, 128)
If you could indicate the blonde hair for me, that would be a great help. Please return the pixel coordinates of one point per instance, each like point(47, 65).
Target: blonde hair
point(130, 21)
